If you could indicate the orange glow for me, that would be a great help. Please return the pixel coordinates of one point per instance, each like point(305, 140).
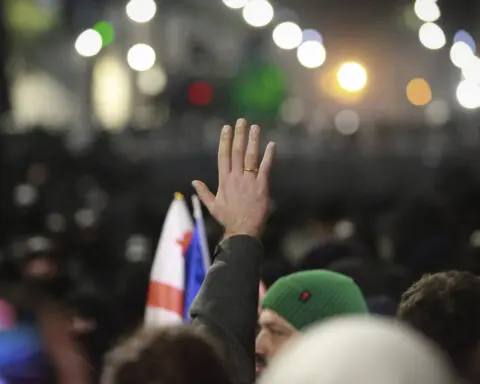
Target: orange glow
point(419, 92)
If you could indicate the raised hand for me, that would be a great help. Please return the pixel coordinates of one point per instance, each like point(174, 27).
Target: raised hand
point(241, 202)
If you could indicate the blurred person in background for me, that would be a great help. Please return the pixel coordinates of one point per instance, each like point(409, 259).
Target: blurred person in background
point(360, 350)
point(41, 267)
point(444, 306)
point(299, 300)
point(35, 343)
point(22, 356)
point(168, 355)
point(327, 213)
point(424, 235)
point(329, 248)
point(332, 251)
point(93, 322)
point(381, 283)
point(35, 261)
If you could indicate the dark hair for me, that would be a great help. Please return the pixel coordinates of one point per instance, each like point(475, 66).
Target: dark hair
point(169, 355)
point(444, 306)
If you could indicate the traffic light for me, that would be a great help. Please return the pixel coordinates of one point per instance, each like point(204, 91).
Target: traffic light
point(198, 94)
point(258, 91)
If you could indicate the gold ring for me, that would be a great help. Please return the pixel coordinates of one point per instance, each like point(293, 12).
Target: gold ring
point(251, 170)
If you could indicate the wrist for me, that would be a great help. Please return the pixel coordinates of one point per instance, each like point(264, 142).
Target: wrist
point(250, 233)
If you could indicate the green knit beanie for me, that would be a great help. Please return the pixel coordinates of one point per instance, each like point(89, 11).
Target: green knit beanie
point(308, 297)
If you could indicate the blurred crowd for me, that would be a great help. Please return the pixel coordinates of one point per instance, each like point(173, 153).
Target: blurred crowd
point(79, 231)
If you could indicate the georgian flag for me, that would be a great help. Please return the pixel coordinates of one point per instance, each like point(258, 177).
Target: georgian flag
point(165, 303)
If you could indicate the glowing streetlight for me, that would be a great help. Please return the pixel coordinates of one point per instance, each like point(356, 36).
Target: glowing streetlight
point(287, 35)
point(352, 77)
point(461, 54)
point(258, 13)
point(141, 57)
point(427, 10)
point(311, 54)
point(88, 43)
point(468, 94)
point(432, 36)
point(235, 4)
point(141, 11)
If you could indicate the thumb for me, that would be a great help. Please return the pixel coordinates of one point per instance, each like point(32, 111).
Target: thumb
point(204, 194)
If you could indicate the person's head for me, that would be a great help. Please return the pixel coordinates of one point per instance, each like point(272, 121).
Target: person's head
point(169, 355)
point(39, 262)
point(360, 350)
point(298, 300)
point(445, 307)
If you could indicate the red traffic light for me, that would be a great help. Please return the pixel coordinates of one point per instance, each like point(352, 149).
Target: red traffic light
point(200, 93)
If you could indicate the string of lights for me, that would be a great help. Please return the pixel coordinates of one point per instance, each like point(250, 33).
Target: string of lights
point(462, 52)
point(287, 35)
point(140, 57)
point(351, 77)
point(311, 53)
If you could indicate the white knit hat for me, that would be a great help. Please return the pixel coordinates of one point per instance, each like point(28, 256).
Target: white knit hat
point(359, 350)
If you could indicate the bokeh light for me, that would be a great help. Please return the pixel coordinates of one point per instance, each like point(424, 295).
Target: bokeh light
point(466, 38)
point(311, 54)
point(258, 13)
point(152, 82)
point(56, 223)
point(235, 4)
point(352, 77)
point(432, 36)
point(258, 90)
point(106, 31)
point(31, 18)
point(409, 18)
point(419, 92)
point(461, 54)
point(85, 218)
point(293, 110)
point(471, 71)
point(25, 195)
point(89, 43)
point(427, 10)
point(347, 122)
point(200, 93)
point(468, 94)
point(141, 11)
point(437, 113)
point(287, 35)
point(312, 34)
point(141, 57)
point(136, 249)
point(111, 92)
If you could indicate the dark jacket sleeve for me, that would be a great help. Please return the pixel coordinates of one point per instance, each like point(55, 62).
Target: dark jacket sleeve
point(227, 304)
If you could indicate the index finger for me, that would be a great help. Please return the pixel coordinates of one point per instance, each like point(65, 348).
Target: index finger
point(224, 153)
